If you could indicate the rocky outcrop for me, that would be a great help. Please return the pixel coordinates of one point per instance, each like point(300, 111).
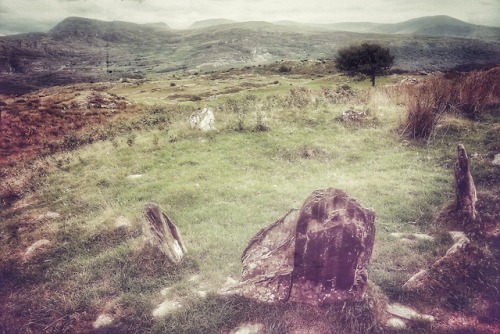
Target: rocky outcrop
point(318, 255)
point(161, 233)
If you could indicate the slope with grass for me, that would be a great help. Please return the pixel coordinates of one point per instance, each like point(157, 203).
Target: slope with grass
point(277, 141)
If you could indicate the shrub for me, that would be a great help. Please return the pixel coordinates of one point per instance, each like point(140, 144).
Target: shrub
point(477, 91)
point(426, 104)
point(284, 69)
point(466, 94)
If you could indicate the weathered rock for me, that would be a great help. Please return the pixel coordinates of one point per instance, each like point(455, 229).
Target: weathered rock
point(412, 236)
point(249, 328)
point(396, 323)
point(34, 248)
point(353, 115)
point(496, 159)
point(465, 188)
point(161, 233)
point(102, 320)
point(203, 120)
point(405, 312)
point(424, 279)
point(166, 307)
point(122, 221)
point(318, 255)
point(334, 243)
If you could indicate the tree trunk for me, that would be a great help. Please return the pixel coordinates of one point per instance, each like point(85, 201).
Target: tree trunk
point(372, 78)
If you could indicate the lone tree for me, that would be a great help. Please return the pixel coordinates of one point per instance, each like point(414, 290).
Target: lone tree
point(367, 59)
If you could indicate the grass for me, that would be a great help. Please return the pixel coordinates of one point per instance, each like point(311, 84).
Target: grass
point(220, 189)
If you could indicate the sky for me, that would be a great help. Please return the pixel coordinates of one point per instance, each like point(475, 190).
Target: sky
point(19, 16)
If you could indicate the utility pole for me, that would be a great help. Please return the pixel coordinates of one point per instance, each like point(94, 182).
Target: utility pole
point(107, 59)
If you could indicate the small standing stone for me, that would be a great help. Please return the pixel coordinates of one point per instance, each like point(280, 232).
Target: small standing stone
point(161, 233)
point(465, 188)
point(203, 120)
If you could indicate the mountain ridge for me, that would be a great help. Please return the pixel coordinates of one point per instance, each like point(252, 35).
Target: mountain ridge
point(80, 49)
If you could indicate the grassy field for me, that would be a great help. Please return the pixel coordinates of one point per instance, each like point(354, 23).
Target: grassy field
point(278, 138)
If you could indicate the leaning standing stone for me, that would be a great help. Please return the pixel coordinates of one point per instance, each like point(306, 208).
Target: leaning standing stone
point(161, 233)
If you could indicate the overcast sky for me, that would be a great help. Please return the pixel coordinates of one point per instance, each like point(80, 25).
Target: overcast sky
point(18, 16)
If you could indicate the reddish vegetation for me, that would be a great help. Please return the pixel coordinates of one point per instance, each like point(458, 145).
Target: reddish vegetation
point(468, 94)
point(47, 120)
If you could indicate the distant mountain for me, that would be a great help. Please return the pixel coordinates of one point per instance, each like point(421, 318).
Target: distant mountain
point(210, 23)
point(79, 49)
point(441, 25)
point(117, 32)
point(361, 27)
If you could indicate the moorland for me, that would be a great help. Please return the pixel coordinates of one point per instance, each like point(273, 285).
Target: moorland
point(95, 124)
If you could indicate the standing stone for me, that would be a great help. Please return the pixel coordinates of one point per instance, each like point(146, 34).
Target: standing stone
point(465, 189)
point(203, 120)
point(268, 261)
point(161, 233)
point(318, 255)
point(334, 243)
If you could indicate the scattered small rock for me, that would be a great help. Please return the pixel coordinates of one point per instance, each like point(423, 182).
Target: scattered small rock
point(457, 235)
point(396, 323)
point(52, 215)
point(194, 278)
point(165, 308)
point(412, 236)
point(102, 320)
point(122, 221)
point(407, 313)
point(249, 328)
point(34, 247)
point(496, 159)
point(134, 176)
point(201, 293)
point(353, 115)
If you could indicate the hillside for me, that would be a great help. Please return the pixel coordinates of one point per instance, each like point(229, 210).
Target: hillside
point(84, 50)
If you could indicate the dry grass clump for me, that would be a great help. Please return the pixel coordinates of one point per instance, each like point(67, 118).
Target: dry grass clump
point(466, 94)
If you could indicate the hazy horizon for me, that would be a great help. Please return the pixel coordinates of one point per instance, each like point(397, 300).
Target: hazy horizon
point(40, 15)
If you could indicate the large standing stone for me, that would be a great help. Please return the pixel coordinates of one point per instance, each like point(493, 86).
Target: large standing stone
point(161, 233)
point(465, 189)
point(334, 243)
point(318, 255)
